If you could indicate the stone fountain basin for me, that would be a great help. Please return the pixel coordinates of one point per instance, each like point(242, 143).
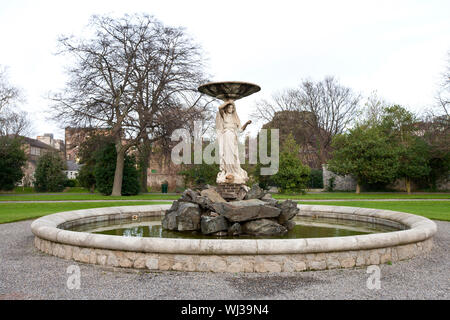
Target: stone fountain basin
point(229, 89)
point(234, 255)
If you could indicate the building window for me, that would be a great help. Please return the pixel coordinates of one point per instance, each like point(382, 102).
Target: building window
point(35, 151)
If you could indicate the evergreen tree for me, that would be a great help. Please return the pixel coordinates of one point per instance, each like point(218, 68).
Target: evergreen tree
point(367, 154)
point(86, 177)
point(414, 161)
point(105, 167)
point(12, 159)
point(414, 154)
point(49, 175)
point(88, 154)
point(292, 175)
point(199, 174)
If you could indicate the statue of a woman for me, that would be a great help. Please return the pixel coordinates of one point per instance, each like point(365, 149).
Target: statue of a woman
point(228, 126)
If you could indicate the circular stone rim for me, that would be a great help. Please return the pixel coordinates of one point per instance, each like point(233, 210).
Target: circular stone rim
point(420, 229)
point(204, 86)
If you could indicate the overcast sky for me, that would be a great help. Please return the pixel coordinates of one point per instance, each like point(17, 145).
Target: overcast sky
point(398, 48)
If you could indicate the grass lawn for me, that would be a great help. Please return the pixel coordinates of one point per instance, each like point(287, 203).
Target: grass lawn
point(10, 212)
point(438, 210)
point(368, 195)
point(95, 196)
point(312, 196)
point(30, 190)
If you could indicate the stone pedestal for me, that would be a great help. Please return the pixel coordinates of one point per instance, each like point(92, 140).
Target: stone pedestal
point(229, 191)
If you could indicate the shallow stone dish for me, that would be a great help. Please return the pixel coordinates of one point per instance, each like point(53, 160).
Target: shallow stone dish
point(229, 90)
point(414, 238)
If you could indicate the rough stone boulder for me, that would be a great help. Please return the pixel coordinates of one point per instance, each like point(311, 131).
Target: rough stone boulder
point(189, 195)
point(169, 222)
point(269, 200)
point(212, 195)
point(213, 224)
point(207, 211)
point(255, 192)
point(174, 206)
point(288, 211)
point(242, 192)
point(207, 186)
point(235, 229)
point(185, 216)
point(263, 227)
point(245, 210)
point(205, 199)
point(289, 225)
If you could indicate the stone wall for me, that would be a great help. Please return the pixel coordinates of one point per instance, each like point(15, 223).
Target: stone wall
point(444, 183)
point(234, 263)
point(341, 183)
point(161, 169)
point(348, 182)
point(175, 181)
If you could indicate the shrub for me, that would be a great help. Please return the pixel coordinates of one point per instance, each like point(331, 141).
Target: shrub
point(86, 177)
point(315, 179)
point(105, 168)
point(70, 183)
point(49, 175)
point(366, 153)
point(292, 175)
point(199, 174)
point(12, 159)
point(331, 184)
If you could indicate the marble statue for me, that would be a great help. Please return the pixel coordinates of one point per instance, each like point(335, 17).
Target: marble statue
point(228, 127)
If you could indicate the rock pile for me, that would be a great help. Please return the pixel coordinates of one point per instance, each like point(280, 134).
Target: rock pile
point(257, 214)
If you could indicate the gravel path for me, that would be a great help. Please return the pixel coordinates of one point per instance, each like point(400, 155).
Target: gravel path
point(26, 273)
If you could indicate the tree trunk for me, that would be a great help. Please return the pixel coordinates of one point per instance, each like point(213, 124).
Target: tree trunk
point(144, 168)
point(358, 188)
point(118, 175)
point(320, 154)
point(408, 185)
point(144, 155)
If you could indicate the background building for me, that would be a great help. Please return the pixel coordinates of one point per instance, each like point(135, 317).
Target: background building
point(73, 168)
point(34, 149)
point(47, 138)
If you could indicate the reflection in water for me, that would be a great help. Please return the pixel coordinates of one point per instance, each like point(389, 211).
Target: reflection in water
point(133, 232)
point(306, 227)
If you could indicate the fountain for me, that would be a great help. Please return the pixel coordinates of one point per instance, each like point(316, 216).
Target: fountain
point(63, 235)
point(231, 208)
point(233, 228)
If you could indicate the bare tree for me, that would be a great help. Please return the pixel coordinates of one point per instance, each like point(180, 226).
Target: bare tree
point(435, 122)
point(13, 121)
point(131, 73)
point(8, 93)
point(161, 125)
point(167, 90)
point(373, 109)
point(286, 100)
point(331, 106)
point(443, 95)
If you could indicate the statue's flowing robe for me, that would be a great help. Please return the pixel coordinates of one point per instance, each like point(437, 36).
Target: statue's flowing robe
point(228, 127)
